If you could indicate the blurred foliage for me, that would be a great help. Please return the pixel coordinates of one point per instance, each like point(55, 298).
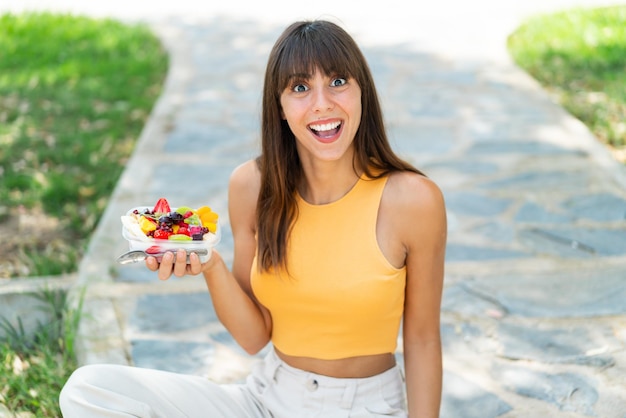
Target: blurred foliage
point(34, 367)
point(75, 93)
point(579, 56)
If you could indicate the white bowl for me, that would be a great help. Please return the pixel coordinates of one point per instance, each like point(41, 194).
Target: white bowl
point(137, 240)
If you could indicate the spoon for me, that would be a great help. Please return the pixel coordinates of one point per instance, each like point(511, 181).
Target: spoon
point(137, 256)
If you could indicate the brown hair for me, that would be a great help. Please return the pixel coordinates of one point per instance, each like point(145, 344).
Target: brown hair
point(303, 48)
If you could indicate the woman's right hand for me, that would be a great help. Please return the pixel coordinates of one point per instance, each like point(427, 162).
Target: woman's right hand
point(176, 264)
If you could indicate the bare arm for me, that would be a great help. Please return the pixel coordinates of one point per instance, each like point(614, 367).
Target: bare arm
point(235, 305)
point(421, 224)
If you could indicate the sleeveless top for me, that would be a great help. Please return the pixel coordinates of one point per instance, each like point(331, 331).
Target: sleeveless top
point(340, 297)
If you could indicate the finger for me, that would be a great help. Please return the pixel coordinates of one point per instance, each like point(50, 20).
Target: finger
point(195, 267)
point(152, 263)
point(167, 264)
point(180, 267)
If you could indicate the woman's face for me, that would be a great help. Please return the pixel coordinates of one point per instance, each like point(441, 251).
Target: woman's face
point(324, 113)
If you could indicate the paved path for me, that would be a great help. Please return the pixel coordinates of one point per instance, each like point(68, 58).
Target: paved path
point(534, 305)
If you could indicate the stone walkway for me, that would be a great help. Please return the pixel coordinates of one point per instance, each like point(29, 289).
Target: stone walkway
point(533, 318)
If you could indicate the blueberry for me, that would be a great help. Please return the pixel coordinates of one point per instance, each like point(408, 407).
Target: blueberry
point(165, 220)
point(176, 217)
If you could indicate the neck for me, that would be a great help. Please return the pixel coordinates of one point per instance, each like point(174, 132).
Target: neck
point(321, 187)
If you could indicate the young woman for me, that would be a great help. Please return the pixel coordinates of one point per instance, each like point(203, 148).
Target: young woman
point(337, 241)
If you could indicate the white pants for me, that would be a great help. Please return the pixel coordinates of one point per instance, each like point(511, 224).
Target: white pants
point(272, 390)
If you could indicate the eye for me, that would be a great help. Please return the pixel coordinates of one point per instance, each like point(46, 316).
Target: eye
point(337, 82)
point(299, 88)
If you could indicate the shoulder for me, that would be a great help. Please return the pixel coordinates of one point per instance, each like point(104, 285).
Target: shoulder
point(415, 209)
point(246, 179)
point(243, 193)
point(246, 172)
point(406, 190)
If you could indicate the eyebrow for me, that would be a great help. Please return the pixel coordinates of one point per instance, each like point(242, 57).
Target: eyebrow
point(299, 76)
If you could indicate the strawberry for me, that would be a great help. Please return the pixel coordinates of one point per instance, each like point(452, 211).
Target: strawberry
point(161, 234)
point(183, 229)
point(162, 206)
point(155, 249)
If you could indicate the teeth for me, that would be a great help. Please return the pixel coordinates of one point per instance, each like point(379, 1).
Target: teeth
point(325, 126)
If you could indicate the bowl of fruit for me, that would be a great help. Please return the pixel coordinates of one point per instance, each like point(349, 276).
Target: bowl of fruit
point(155, 230)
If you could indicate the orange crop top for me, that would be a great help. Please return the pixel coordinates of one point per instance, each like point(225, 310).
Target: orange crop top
point(343, 298)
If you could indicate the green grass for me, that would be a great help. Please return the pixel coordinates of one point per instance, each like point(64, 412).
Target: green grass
point(579, 56)
point(34, 367)
point(75, 94)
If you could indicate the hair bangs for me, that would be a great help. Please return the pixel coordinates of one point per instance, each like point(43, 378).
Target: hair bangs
point(314, 50)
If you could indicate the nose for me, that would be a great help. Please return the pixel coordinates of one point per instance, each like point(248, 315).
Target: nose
point(322, 100)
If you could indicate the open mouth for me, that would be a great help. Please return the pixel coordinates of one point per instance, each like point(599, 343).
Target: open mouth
point(325, 130)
